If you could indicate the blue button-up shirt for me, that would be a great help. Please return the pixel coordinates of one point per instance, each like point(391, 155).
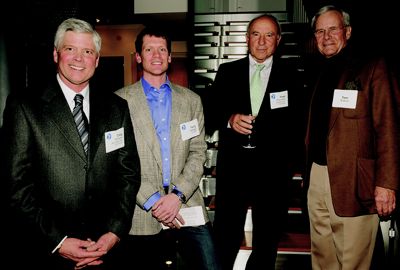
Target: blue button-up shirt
point(160, 104)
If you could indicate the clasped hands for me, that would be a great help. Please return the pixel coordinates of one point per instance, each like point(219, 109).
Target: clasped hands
point(166, 211)
point(87, 252)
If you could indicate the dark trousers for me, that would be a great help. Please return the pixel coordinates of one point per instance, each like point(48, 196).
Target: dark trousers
point(193, 245)
point(229, 232)
point(143, 252)
point(266, 194)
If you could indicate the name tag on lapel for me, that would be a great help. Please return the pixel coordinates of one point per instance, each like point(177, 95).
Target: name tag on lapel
point(114, 139)
point(189, 129)
point(279, 99)
point(344, 99)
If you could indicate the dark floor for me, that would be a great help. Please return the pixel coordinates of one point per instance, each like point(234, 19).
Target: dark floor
point(293, 262)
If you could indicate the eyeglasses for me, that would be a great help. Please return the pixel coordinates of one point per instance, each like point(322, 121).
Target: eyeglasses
point(334, 30)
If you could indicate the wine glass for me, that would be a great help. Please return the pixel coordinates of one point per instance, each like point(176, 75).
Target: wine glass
point(250, 138)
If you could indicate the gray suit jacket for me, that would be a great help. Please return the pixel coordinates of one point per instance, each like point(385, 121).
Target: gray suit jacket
point(187, 157)
point(55, 191)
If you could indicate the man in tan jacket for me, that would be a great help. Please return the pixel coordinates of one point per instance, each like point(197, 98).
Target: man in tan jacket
point(170, 139)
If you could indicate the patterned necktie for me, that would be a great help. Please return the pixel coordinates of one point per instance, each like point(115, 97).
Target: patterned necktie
point(256, 91)
point(80, 121)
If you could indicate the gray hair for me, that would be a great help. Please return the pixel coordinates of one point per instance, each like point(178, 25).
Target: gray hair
point(345, 15)
point(78, 26)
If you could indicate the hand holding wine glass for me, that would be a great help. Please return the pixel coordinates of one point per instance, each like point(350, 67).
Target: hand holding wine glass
point(250, 141)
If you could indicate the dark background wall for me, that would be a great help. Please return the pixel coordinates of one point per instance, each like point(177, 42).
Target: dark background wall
point(27, 29)
point(375, 22)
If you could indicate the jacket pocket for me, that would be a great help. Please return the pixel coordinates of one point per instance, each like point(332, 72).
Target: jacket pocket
point(366, 182)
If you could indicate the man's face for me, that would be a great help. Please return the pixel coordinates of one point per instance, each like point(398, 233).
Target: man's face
point(330, 33)
point(262, 39)
point(77, 59)
point(154, 56)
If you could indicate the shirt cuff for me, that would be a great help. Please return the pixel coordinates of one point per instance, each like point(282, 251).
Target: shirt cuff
point(59, 244)
point(151, 201)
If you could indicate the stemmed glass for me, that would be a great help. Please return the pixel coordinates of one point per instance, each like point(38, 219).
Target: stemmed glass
point(250, 141)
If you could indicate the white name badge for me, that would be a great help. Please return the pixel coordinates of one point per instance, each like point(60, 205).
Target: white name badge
point(279, 99)
point(344, 99)
point(114, 139)
point(189, 129)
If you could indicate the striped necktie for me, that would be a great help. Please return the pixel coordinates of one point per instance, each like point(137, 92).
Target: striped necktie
point(81, 122)
point(256, 91)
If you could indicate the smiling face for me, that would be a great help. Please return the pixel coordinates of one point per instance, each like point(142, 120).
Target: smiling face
point(77, 59)
point(155, 58)
point(262, 38)
point(331, 34)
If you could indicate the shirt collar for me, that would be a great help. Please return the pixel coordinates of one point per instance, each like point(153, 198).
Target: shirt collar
point(166, 86)
point(267, 62)
point(69, 93)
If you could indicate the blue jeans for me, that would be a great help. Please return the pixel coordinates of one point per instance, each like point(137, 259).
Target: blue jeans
point(195, 246)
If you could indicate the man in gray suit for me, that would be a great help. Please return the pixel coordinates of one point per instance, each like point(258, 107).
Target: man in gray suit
point(70, 207)
point(169, 130)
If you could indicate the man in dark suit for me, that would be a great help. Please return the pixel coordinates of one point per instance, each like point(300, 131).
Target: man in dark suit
point(255, 178)
point(69, 207)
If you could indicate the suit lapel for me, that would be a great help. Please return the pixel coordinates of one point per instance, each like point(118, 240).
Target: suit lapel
point(348, 75)
point(177, 113)
point(143, 121)
point(244, 83)
point(56, 107)
point(274, 85)
point(99, 119)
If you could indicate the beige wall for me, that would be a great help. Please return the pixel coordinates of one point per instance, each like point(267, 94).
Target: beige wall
point(157, 6)
point(119, 40)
